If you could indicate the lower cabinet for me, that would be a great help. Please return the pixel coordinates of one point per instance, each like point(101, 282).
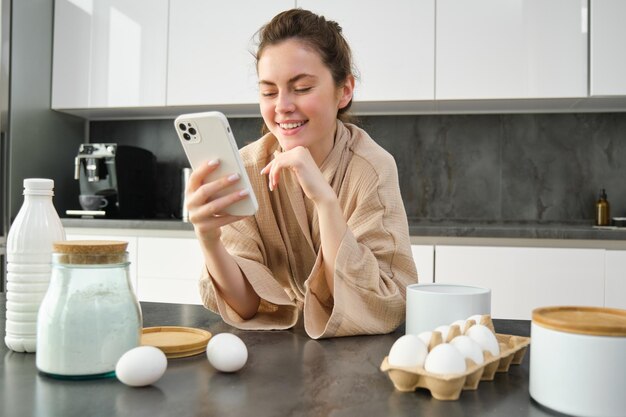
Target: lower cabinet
point(615, 279)
point(162, 269)
point(523, 278)
point(169, 270)
point(424, 257)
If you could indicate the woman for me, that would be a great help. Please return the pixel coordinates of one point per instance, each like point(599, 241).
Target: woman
point(331, 236)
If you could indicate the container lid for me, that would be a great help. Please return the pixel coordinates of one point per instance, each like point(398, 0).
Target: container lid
point(90, 251)
point(176, 341)
point(596, 321)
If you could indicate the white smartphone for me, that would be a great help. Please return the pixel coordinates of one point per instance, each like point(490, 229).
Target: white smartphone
point(207, 136)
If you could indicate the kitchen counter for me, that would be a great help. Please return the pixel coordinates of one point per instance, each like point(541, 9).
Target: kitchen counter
point(417, 228)
point(522, 230)
point(287, 374)
point(165, 224)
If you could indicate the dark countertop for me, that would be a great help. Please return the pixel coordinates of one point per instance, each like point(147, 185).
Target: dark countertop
point(523, 230)
point(165, 224)
point(287, 374)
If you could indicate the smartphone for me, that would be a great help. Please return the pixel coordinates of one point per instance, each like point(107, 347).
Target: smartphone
point(207, 136)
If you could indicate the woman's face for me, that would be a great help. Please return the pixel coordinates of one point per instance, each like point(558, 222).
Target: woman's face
point(299, 99)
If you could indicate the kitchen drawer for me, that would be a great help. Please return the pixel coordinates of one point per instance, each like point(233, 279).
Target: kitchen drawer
point(169, 258)
point(615, 279)
point(424, 257)
point(522, 279)
point(169, 290)
point(169, 270)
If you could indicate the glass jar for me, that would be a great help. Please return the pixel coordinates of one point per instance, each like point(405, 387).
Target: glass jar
point(89, 316)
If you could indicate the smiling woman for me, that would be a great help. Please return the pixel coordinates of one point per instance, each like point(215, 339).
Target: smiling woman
point(330, 239)
point(299, 100)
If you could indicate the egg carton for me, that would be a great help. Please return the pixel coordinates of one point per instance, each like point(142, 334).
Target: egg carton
point(449, 386)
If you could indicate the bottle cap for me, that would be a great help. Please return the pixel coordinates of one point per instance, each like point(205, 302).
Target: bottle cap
point(38, 186)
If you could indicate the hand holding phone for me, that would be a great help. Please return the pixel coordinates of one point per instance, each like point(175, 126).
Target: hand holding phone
point(207, 136)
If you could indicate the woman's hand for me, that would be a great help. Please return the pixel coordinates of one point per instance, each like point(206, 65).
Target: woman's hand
point(206, 210)
point(301, 163)
point(331, 222)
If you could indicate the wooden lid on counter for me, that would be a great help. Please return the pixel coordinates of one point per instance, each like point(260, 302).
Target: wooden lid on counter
point(595, 321)
point(176, 341)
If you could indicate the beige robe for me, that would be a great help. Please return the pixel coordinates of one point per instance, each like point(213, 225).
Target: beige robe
point(278, 249)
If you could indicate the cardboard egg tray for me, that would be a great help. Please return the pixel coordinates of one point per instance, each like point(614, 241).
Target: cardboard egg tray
point(449, 386)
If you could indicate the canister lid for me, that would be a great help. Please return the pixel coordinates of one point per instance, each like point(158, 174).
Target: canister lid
point(597, 321)
point(90, 251)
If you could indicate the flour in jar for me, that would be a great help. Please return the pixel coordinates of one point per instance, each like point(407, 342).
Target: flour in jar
point(87, 321)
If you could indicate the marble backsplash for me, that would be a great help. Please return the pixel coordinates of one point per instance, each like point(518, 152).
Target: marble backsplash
point(476, 168)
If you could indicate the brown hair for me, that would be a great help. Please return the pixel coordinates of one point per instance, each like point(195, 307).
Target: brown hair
point(323, 36)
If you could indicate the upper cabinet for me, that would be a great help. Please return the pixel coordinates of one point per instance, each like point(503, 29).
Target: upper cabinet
point(158, 58)
point(608, 54)
point(393, 46)
point(210, 50)
point(109, 53)
point(494, 49)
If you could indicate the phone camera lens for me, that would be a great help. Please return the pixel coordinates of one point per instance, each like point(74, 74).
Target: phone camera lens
point(186, 136)
point(192, 131)
point(182, 127)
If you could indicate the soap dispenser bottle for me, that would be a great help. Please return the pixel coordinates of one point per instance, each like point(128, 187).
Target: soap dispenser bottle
point(602, 210)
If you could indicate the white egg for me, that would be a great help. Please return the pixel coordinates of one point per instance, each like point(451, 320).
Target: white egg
point(476, 318)
point(445, 359)
point(227, 352)
point(425, 337)
point(444, 330)
point(469, 348)
point(408, 350)
point(460, 323)
point(485, 338)
point(141, 366)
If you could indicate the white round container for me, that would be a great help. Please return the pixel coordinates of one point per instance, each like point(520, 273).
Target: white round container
point(432, 305)
point(578, 360)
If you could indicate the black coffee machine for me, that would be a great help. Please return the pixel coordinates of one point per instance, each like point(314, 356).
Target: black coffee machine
point(117, 181)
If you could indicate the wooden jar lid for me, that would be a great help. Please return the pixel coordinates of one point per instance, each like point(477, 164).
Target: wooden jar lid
point(90, 251)
point(176, 341)
point(596, 321)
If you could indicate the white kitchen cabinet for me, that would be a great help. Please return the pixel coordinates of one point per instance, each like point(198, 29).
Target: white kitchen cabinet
point(608, 54)
point(209, 50)
point(424, 257)
point(109, 53)
point(131, 249)
point(494, 49)
point(393, 45)
point(169, 269)
point(615, 282)
point(523, 278)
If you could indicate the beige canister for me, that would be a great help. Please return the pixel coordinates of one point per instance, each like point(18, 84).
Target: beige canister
point(578, 360)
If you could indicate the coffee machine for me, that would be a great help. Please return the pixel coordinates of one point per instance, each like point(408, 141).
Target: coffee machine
point(116, 181)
